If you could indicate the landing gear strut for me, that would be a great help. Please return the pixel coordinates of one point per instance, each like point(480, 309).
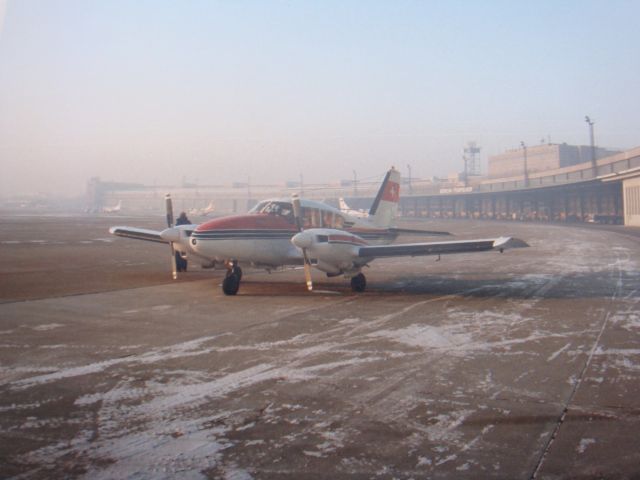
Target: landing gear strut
point(181, 263)
point(358, 283)
point(231, 282)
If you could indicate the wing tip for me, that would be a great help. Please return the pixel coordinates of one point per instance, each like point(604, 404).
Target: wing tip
point(509, 242)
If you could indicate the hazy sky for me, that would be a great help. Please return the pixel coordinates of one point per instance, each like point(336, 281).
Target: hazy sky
point(216, 91)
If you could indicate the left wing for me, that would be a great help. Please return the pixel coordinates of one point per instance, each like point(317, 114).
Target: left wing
point(138, 234)
point(438, 248)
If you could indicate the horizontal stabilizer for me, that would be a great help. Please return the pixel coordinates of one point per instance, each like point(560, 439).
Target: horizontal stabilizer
point(137, 233)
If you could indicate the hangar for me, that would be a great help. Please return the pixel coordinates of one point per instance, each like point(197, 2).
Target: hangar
point(607, 192)
point(560, 187)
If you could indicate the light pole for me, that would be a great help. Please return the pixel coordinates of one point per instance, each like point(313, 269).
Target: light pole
point(526, 169)
point(466, 169)
point(355, 184)
point(410, 187)
point(594, 166)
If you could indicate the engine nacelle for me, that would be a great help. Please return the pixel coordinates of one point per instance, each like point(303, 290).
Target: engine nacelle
point(330, 269)
point(335, 251)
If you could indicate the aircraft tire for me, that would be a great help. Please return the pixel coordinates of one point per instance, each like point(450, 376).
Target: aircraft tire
point(181, 263)
point(237, 271)
point(358, 283)
point(231, 284)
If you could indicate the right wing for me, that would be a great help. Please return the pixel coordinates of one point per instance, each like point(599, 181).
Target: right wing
point(409, 231)
point(438, 248)
point(138, 234)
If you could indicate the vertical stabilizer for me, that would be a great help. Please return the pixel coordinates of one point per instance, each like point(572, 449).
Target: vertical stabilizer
point(385, 205)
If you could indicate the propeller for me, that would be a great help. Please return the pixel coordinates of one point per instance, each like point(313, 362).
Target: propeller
point(169, 209)
point(301, 240)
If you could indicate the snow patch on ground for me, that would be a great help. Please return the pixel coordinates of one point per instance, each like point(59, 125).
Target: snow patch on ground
point(47, 326)
point(584, 443)
point(184, 349)
point(427, 337)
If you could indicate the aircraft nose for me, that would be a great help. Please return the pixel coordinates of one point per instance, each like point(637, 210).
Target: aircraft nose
point(302, 240)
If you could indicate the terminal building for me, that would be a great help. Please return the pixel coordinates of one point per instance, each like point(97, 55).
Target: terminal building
point(545, 183)
point(541, 158)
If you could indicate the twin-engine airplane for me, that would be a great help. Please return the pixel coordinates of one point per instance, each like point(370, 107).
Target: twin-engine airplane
point(290, 232)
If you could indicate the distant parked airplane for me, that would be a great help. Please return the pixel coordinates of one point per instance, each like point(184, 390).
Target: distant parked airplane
point(115, 209)
point(203, 212)
point(344, 208)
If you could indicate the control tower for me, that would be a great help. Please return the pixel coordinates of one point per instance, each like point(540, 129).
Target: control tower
point(471, 159)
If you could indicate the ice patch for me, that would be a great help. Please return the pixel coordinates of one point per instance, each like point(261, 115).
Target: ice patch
point(584, 443)
point(349, 321)
point(554, 355)
point(313, 454)
point(445, 425)
point(235, 473)
point(161, 308)
point(48, 326)
point(185, 349)
point(427, 337)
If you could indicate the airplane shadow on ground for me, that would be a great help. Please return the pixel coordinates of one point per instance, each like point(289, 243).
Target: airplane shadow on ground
point(572, 286)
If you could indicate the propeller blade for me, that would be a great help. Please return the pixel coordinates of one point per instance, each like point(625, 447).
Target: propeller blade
point(297, 211)
point(174, 266)
point(169, 209)
point(307, 270)
point(297, 214)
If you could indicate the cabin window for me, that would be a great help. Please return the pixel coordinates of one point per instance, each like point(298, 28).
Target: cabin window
point(312, 218)
point(327, 219)
point(322, 238)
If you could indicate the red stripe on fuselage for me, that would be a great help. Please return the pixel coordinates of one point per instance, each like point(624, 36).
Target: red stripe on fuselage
point(258, 221)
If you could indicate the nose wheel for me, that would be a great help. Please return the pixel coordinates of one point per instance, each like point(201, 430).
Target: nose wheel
point(358, 283)
point(231, 282)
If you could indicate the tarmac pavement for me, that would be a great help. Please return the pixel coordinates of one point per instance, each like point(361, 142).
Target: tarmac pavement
point(517, 365)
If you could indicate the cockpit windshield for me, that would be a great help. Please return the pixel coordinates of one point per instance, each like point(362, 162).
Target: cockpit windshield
point(269, 207)
point(312, 217)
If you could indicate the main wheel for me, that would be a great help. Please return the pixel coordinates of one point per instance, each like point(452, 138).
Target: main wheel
point(231, 284)
point(236, 270)
point(358, 283)
point(181, 263)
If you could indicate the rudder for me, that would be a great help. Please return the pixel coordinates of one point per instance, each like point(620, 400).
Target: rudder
point(385, 206)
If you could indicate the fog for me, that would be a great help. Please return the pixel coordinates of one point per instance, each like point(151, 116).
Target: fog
point(215, 92)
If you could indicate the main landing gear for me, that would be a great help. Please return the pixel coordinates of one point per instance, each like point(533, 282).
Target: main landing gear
point(358, 283)
point(231, 282)
point(181, 262)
